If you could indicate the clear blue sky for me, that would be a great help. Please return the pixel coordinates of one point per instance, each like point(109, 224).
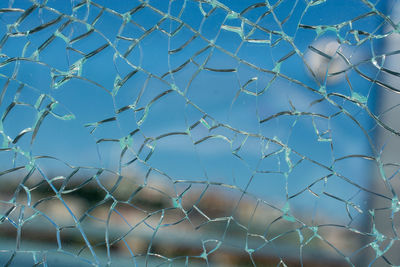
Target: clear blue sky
point(215, 93)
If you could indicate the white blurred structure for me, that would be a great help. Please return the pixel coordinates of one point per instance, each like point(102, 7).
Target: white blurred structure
point(323, 60)
point(387, 181)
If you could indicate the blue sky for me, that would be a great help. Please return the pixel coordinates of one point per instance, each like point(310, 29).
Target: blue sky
point(216, 94)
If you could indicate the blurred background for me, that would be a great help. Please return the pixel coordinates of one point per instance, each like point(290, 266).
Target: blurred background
point(199, 133)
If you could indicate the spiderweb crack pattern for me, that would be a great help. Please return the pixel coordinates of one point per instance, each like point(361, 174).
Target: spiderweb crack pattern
point(199, 133)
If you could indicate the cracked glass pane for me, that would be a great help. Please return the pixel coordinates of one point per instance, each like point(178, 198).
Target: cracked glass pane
point(199, 133)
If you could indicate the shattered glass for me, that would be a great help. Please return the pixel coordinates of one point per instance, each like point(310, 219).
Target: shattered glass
point(199, 133)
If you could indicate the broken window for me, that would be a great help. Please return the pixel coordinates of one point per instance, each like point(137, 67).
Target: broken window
point(199, 133)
